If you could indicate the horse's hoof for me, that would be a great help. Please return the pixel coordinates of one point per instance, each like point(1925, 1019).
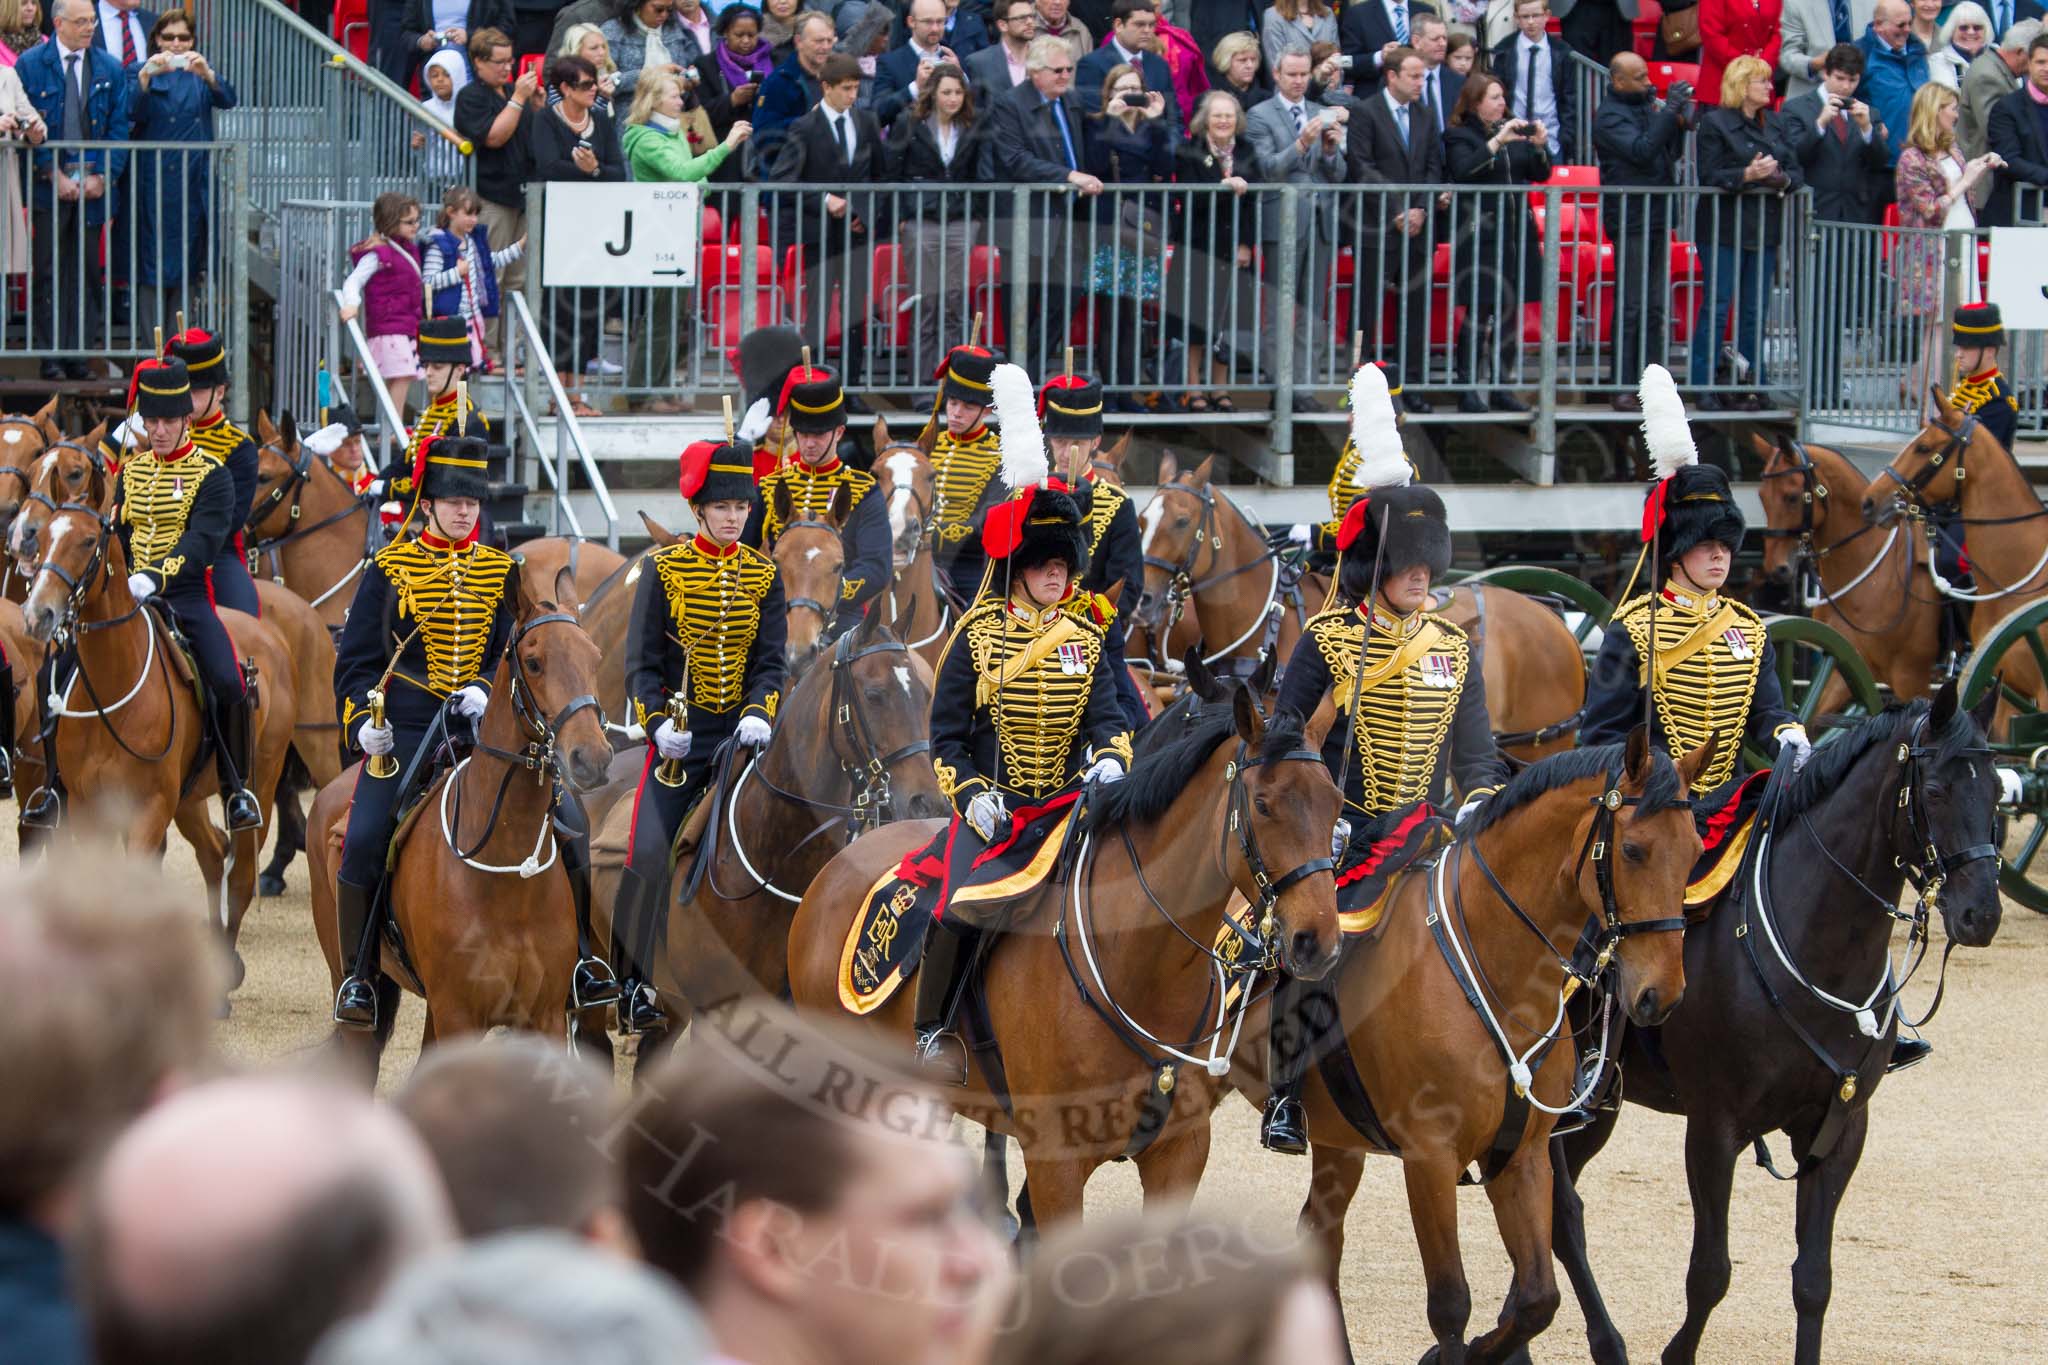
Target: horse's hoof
point(1431, 1356)
point(270, 884)
point(238, 970)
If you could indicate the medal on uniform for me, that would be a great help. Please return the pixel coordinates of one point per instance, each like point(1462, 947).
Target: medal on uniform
point(1437, 671)
point(1073, 658)
point(1738, 643)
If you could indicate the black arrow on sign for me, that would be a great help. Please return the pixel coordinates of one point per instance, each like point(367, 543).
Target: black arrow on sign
point(627, 245)
point(678, 271)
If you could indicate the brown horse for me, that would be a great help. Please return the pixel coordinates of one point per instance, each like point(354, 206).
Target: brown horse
point(918, 610)
point(1435, 1069)
point(1203, 551)
point(24, 436)
point(477, 891)
point(1225, 807)
point(811, 560)
point(24, 655)
point(851, 751)
point(316, 750)
point(2003, 520)
point(131, 729)
point(1874, 588)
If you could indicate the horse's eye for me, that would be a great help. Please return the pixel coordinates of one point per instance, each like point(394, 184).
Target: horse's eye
point(1633, 852)
point(1937, 791)
point(1259, 804)
point(1180, 523)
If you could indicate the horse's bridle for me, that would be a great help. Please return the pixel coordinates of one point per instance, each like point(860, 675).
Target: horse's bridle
point(538, 754)
point(827, 611)
point(1265, 931)
point(293, 488)
point(16, 419)
point(1806, 558)
point(1957, 445)
point(1182, 585)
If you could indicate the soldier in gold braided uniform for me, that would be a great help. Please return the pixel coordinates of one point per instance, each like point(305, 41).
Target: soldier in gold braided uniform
point(816, 407)
point(206, 362)
point(173, 509)
point(1411, 715)
point(444, 356)
point(435, 610)
point(1023, 710)
point(708, 622)
point(964, 459)
point(1979, 333)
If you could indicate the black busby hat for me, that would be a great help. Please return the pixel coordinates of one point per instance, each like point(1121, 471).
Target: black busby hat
point(766, 356)
point(206, 359)
point(966, 375)
point(1978, 324)
point(814, 400)
point(1418, 531)
point(164, 390)
point(1071, 405)
point(1690, 502)
point(1039, 525)
point(444, 341)
point(717, 471)
point(453, 467)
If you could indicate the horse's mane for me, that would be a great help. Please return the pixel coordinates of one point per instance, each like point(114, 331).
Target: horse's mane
point(1546, 775)
point(1160, 775)
point(1829, 767)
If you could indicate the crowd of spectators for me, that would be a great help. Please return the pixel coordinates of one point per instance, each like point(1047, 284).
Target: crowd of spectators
point(776, 1189)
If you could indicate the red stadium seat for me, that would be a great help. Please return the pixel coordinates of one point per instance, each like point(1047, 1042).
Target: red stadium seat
point(1687, 281)
point(721, 276)
point(714, 224)
point(351, 21)
point(1649, 14)
point(1662, 74)
point(888, 292)
point(985, 292)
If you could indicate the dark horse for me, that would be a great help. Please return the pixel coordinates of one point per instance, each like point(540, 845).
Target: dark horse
point(1768, 1036)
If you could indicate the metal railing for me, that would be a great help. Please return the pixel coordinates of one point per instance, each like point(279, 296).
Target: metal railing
point(1881, 299)
point(317, 122)
point(526, 356)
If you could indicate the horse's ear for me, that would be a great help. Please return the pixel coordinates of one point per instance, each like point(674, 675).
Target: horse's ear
point(1244, 709)
point(1262, 676)
point(565, 590)
point(1698, 761)
point(881, 433)
point(1114, 456)
point(91, 440)
point(1315, 731)
point(1200, 680)
point(1941, 403)
point(928, 439)
point(1200, 478)
point(288, 431)
point(1766, 450)
point(780, 504)
point(102, 488)
point(658, 533)
point(1169, 469)
point(1636, 755)
point(1116, 591)
point(46, 421)
point(266, 433)
point(842, 506)
point(1986, 709)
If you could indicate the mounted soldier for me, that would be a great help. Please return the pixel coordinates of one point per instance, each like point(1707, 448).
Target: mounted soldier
point(206, 366)
point(1981, 389)
point(819, 485)
point(340, 443)
point(1070, 406)
point(1374, 396)
point(428, 623)
point(965, 453)
point(1024, 711)
point(1410, 696)
point(444, 359)
point(174, 509)
point(704, 664)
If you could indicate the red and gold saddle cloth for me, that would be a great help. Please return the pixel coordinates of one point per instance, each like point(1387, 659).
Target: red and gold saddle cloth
point(955, 873)
point(1724, 820)
point(1379, 852)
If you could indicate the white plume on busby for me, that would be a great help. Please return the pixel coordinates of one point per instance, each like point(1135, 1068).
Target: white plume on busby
point(1382, 463)
point(1666, 435)
point(1023, 445)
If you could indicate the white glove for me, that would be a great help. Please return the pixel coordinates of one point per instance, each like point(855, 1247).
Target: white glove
point(984, 813)
point(754, 425)
point(1792, 741)
point(375, 740)
point(1299, 533)
point(470, 701)
point(141, 585)
point(1340, 838)
point(752, 733)
point(374, 489)
point(1107, 769)
point(670, 742)
point(1466, 810)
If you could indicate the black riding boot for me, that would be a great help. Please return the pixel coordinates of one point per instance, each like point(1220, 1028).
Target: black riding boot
point(44, 808)
point(592, 983)
point(355, 1004)
point(1908, 1052)
point(1284, 1125)
point(633, 939)
point(940, 1051)
point(234, 758)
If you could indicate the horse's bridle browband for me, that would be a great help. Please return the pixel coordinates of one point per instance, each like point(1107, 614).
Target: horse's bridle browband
point(826, 612)
point(16, 419)
point(1268, 887)
point(539, 753)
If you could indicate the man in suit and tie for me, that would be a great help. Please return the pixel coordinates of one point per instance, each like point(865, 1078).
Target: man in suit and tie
point(1393, 142)
point(834, 144)
point(83, 95)
point(1001, 66)
point(124, 31)
point(1537, 71)
point(1440, 84)
point(1301, 141)
point(1133, 24)
point(1036, 134)
point(1995, 73)
point(1810, 28)
point(2017, 133)
point(900, 73)
point(1839, 142)
point(1370, 31)
point(2005, 13)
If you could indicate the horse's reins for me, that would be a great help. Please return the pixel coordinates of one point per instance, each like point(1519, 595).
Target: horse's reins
point(293, 488)
point(1182, 586)
point(1913, 492)
point(1807, 559)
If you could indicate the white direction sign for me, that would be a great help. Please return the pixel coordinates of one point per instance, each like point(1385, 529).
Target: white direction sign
point(2019, 277)
point(620, 235)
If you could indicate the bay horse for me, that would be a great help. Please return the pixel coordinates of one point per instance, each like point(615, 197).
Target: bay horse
point(919, 606)
point(1874, 587)
point(24, 654)
point(131, 729)
point(1096, 1071)
point(1582, 857)
point(811, 559)
point(2002, 519)
point(1203, 550)
point(1769, 1036)
point(478, 895)
point(23, 437)
point(315, 758)
point(850, 752)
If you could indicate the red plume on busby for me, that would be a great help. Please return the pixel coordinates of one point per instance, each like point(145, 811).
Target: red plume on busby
point(1354, 523)
point(1690, 502)
point(692, 466)
point(716, 471)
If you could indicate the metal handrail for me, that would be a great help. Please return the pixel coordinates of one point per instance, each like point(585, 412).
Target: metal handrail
point(391, 422)
point(521, 332)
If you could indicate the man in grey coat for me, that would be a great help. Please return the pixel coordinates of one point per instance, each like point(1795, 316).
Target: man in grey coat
point(1810, 30)
point(1301, 141)
point(1994, 74)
